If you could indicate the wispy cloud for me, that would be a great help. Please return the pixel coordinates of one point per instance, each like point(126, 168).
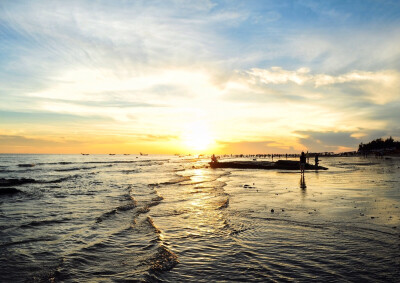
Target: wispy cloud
point(380, 87)
point(14, 140)
point(328, 141)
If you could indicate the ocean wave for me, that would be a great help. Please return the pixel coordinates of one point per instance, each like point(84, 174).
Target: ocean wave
point(27, 165)
point(173, 212)
point(129, 171)
point(163, 260)
point(129, 197)
point(133, 200)
point(154, 227)
point(223, 204)
point(9, 191)
point(238, 231)
point(121, 161)
point(173, 181)
point(143, 210)
point(27, 241)
point(67, 170)
point(44, 222)
point(106, 215)
point(351, 227)
point(126, 207)
point(74, 169)
point(356, 163)
point(155, 201)
point(57, 163)
point(15, 182)
point(158, 198)
point(59, 180)
point(27, 170)
point(92, 162)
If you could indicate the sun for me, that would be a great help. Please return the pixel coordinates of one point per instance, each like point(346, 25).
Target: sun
point(197, 136)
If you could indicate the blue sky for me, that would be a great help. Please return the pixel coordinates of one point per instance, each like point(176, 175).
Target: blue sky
point(183, 76)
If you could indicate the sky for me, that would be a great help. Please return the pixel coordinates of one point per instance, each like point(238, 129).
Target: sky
point(202, 76)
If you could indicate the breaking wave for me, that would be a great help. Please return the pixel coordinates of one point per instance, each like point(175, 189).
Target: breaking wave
point(163, 260)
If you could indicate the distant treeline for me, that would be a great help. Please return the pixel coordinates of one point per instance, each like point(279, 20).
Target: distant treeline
point(379, 144)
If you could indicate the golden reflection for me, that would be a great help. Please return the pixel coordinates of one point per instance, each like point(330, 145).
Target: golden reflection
point(198, 176)
point(204, 206)
point(303, 185)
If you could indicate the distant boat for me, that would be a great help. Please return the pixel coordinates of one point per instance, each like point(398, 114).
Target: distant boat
point(126, 154)
point(112, 154)
point(144, 154)
point(85, 153)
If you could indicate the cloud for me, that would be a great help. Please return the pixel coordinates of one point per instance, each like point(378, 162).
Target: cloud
point(343, 50)
point(276, 75)
point(158, 138)
point(15, 140)
point(256, 147)
point(327, 141)
point(378, 87)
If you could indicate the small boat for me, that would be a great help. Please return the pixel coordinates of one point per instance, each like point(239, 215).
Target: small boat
point(144, 154)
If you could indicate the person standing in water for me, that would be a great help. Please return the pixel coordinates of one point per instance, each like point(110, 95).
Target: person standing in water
point(316, 161)
point(302, 162)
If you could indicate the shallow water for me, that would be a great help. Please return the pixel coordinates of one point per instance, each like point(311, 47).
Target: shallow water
point(163, 218)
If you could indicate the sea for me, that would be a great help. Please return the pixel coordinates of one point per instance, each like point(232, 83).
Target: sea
point(160, 218)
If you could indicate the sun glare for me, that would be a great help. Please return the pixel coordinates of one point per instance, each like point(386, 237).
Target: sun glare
point(197, 136)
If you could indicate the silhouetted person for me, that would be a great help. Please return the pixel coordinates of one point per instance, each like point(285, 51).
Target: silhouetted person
point(302, 162)
point(316, 161)
point(214, 159)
